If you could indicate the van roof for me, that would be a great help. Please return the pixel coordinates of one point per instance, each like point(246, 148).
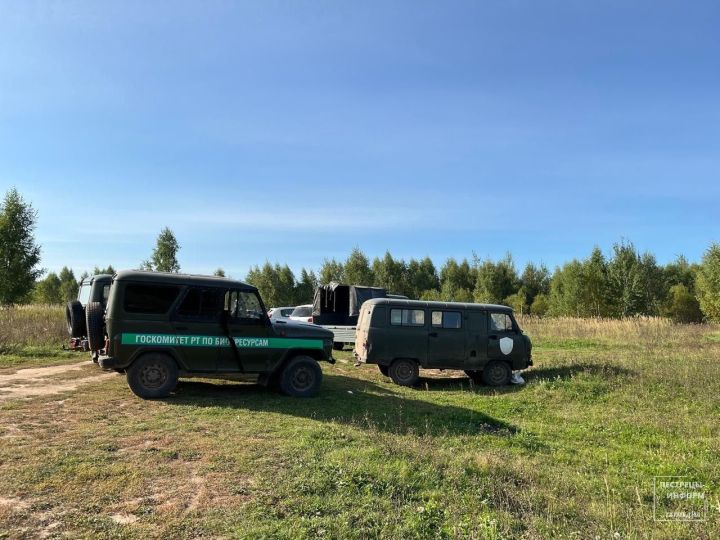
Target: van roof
point(439, 305)
point(181, 279)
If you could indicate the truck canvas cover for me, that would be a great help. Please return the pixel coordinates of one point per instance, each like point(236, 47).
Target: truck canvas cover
point(339, 304)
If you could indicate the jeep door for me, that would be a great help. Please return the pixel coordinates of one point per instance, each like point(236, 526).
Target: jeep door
point(197, 324)
point(446, 339)
point(504, 341)
point(248, 324)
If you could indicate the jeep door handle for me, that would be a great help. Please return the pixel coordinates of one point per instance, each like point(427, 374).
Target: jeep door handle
point(432, 334)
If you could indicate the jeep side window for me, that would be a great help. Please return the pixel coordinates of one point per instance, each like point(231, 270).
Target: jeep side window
point(500, 322)
point(245, 306)
point(149, 299)
point(202, 303)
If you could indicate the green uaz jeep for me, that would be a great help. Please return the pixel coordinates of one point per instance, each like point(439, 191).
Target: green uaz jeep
point(163, 326)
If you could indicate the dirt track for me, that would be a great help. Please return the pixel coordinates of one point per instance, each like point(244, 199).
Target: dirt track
point(32, 382)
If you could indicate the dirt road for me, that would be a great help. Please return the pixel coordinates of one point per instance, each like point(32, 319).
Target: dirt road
point(43, 381)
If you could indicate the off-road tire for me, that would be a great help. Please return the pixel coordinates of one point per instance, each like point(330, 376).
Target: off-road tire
point(338, 346)
point(496, 373)
point(152, 376)
point(94, 314)
point(474, 375)
point(301, 377)
point(404, 372)
point(75, 319)
point(385, 370)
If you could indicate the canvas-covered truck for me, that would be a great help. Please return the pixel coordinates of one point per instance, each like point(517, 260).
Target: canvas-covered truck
point(161, 326)
point(336, 307)
point(403, 336)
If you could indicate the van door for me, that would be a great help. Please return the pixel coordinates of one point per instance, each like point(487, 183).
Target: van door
point(446, 340)
point(249, 326)
point(504, 339)
point(196, 324)
point(476, 344)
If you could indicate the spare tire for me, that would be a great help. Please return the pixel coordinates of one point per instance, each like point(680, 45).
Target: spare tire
point(94, 313)
point(75, 319)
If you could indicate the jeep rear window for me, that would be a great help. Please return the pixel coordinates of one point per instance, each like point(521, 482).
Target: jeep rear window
point(202, 303)
point(84, 294)
point(150, 299)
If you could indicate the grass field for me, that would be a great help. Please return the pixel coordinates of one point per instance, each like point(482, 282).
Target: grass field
point(572, 454)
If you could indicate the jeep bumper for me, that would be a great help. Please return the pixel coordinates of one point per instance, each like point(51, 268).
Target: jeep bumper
point(109, 362)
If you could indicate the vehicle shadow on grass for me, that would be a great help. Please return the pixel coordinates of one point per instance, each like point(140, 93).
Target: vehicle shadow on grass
point(346, 400)
point(464, 384)
point(570, 371)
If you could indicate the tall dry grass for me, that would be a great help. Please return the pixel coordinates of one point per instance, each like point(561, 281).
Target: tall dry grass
point(31, 325)
point(646, 330)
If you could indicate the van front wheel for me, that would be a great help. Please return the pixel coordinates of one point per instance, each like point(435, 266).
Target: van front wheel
point(497, 373)
point(152, 376)
point(404, 372)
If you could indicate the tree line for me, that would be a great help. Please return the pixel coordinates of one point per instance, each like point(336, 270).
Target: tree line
point(623, 283)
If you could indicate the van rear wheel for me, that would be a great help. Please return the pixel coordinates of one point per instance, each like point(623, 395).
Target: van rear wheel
point(152, 376)
point(496, 373)
point(404, 372)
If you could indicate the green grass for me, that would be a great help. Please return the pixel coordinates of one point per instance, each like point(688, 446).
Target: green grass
point(572, 454)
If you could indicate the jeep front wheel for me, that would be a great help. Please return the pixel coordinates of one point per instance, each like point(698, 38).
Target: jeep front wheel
point(301, 377)
point(152, 376)
point(404, 372)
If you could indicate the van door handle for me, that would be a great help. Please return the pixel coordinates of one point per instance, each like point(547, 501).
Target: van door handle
point(432, 334)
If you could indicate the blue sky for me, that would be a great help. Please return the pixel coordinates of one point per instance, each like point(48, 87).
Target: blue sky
point(292, 131)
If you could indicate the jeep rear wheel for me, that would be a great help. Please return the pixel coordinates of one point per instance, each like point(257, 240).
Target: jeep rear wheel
point(94, 316)
point(152, 376)
point(496, 373)
point(404, 372)
point(75, 319)
point(301, 377)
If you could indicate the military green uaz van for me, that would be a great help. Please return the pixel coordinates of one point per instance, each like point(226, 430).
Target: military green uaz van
point(402, 336)
point(162, 326)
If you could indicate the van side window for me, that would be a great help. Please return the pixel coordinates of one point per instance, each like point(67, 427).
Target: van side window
point(446, 319)
point(202, 303)
point(149, 299)
point(407, 317)
point(500, 322)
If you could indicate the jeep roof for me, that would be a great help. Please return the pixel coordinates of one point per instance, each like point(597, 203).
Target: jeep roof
point(148, 276)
